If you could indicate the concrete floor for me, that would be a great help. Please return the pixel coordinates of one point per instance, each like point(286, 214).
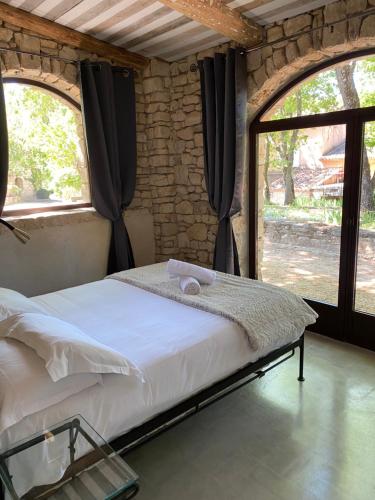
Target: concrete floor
point(276, 438)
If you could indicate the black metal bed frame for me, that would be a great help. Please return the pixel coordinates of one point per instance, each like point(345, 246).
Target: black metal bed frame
point(204, 398)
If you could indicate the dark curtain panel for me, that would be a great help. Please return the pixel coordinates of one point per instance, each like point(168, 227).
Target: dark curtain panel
point(224, 97)
point(108, 105)
point(4, 154)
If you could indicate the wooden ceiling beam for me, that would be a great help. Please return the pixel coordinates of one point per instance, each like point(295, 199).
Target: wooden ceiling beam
point(214, 14)
point(68, 36)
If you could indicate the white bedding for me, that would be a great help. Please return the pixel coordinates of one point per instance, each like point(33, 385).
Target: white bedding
point(179, 350)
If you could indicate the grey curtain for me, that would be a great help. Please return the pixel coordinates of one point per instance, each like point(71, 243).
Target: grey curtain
point(4, 154)
point(224, 97)
point(108, 101)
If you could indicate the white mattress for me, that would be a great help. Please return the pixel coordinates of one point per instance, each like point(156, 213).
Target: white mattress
point(179, 349)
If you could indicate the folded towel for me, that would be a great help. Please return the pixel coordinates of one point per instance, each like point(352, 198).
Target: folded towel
point(189, 285)
point(179, 268)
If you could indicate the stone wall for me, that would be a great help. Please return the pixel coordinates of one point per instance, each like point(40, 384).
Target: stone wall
point(324, 237)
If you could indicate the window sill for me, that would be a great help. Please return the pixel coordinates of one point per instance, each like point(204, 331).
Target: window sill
point(55, 218)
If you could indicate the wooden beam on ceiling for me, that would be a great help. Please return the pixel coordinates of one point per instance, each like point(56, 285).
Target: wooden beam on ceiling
point(214, 14)
point(68, 36)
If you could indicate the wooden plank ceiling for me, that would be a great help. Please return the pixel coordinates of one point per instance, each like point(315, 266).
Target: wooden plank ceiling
point(151, 28)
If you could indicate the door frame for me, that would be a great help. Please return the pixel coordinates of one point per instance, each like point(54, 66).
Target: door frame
point(338, 321)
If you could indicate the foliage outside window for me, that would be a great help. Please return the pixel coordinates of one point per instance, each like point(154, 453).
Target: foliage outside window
point(347, 86)
point(47, 165)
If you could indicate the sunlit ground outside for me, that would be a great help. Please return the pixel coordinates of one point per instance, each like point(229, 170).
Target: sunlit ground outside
point(312, 273)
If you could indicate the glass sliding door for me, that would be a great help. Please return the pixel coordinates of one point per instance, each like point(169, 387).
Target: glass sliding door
point(312, 204)
point(365, 275)
point(302, 177)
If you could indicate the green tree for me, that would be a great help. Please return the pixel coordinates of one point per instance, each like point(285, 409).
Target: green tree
point(43, 141)
point(311, 97)
point(351, 100)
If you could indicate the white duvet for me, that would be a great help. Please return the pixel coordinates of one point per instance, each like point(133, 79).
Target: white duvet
point(179, 350)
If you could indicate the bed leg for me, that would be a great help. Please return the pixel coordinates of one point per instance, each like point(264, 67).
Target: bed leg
point(301, 378)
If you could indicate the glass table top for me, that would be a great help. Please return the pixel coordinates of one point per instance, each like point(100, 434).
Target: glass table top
point(69, 460)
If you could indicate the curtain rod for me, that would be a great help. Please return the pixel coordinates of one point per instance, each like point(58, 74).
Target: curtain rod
point(311, 30)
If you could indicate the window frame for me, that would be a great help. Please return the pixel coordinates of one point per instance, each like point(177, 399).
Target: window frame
point(54, 208)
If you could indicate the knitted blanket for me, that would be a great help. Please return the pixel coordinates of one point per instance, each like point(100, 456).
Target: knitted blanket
point(268, 314)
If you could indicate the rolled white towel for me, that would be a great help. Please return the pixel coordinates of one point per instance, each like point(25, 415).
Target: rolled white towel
point(189, 285)
point(179, 268)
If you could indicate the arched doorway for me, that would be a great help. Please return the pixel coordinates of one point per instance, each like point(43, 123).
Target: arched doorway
point(312, 173)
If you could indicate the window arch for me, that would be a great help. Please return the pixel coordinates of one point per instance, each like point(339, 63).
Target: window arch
point(47, 160)
point(312, 208)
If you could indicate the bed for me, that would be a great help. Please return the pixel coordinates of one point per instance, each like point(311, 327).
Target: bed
point(206, 353)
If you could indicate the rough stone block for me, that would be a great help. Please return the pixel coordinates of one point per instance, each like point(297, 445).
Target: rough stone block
point(193, 118)
point(161, 132)
point(179, 80)
point(335, 36)
point(270, 67)
point(190, 99)
point(31, 63)
point(68, 53)
point(260, 76)
point(304, 44)
point(70, 73)
point(179, 116)
point(197, 232)
point(159, 68)
point(186, 134)
point(334, 12)
point(368, 27)
point(5, 35)
point(183, 240)
point(169, 229)
point(153, 84)
point(160, 97)
point(11, 60)
point(27, 43)
point(166, 208)
point(274, 33)
point(198, 140)
point(195, 179)
point(279, 59)
point(182, 175)
point(291, 51)
point(297, 24)
point(185, 208)
point(254, 60)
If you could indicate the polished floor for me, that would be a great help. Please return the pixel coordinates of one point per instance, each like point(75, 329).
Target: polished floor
point(276, 438)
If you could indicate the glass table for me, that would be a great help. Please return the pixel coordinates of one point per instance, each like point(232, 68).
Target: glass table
point(67, 461)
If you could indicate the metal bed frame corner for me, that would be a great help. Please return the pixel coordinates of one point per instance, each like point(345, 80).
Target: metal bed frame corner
point(209, 395)
point(204, 398)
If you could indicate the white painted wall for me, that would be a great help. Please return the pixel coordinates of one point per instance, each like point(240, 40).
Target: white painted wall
point(66, 255)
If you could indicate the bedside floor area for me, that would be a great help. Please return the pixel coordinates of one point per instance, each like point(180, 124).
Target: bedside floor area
point(277, 438)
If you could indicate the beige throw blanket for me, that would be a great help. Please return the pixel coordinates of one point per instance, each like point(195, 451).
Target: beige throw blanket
point(268, 314)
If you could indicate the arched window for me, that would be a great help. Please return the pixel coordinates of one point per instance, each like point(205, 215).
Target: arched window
point(47, 161)
point(314, 199)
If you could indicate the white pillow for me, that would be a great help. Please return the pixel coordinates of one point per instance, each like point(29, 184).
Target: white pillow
point(65, 349)
point(12, 302)
point(26, 387)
